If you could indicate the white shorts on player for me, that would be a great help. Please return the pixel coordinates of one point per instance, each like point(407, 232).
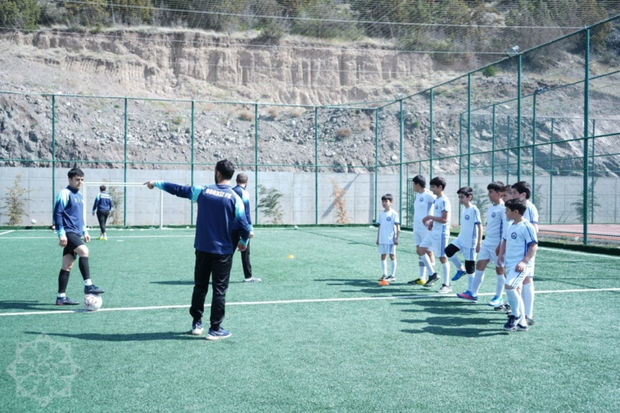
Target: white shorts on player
point(419, 233)
point(469, 254)
point(515, 279)
point(387, 249)
point(436, 242)
point(487, 252)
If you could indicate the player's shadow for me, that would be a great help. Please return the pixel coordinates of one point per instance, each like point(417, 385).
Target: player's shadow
point(24, 305)
point(173, 282)
point(370, 287)
point(117, 337)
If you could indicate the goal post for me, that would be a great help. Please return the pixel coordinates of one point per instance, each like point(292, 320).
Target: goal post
point(127, 197)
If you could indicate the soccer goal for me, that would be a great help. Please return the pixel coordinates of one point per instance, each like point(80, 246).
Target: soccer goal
point(133, 204)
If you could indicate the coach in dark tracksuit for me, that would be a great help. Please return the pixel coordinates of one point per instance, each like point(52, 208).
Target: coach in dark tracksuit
point(219, 210)
point(102, 206)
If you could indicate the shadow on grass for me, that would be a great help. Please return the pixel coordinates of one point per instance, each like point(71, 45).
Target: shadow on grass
point(116, 337)
point(25, 305)
point(173, 282)
point(455, 318)
point(372, 287)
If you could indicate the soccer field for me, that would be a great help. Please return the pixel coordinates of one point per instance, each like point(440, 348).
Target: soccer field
point(318, 334)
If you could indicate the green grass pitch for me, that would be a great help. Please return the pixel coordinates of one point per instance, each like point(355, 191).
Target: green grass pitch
point(318, 334)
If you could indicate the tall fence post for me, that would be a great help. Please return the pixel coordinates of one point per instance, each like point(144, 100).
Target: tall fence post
point(534, 146)
point(468, 129)
point(256, 164)
point(53, 151)
point(586, 123)
point(376, 162)
point(400, 168)
point(316, 165)
point(592, 172)
point(191, 166)
point(493, 145)
point(125, 163)
point(519, 68)
point(551, 138)
point(431, 98)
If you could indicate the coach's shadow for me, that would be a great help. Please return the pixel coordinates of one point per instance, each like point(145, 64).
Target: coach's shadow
point(24, 305)
point(174, 282)
point(453, 318)
point(116, 337)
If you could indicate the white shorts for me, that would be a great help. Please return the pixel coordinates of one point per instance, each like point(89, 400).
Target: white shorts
point(419, 233)
point(387, 249)
point(487, 252)
point(436, 242)
point(515, 279)
point(469, 254)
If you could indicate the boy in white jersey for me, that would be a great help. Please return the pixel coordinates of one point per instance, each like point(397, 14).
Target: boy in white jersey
point(468, 241)
point(439, 224)
point(494, 231)
point(517, 251)
point(422, 207)
point(522, 190)
point(387, 237)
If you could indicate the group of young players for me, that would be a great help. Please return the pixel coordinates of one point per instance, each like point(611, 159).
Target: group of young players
point(510, 243)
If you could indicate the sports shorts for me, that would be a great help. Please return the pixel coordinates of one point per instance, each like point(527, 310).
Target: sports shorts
point(73, 241)
point(515, 279)
point(387, 248)
point(469, 254)
point(419, 233)
point(487, 252)
point(436, 242)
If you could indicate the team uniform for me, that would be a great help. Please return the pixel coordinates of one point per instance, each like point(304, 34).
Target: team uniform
point(219, 210)
point(468, 236)
point(422, 206)
point(387, 231)
point(531, 213)
point(102, 206)
point(497, 224)
point(236, 236)
point(519, 237)
point(69, 218)
point(437, 238)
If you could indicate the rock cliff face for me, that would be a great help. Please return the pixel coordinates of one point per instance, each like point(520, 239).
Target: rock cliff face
point(204, 65)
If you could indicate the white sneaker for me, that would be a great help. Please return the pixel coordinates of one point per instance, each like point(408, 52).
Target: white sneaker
point(445, 289)
point(496, 301)
point(197, 328)
point(252, 280)
point(390, 278)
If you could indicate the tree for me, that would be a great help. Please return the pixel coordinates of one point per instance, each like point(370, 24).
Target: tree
point(15, 203)
point(19, 14)
point(270, 203)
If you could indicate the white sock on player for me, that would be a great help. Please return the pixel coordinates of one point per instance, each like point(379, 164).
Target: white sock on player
point(478, 278)
point(445, 266)
point(393, 272)
point(527, 292)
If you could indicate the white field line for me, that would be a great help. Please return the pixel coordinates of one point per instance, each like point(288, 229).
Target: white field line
point(7, 232)
point(298, 301)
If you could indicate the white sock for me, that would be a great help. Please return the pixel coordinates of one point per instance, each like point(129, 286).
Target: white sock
point(456, 262)
point(515, 301)
point(384, 268)
point(61, 295)
point(427, 263)
point(499, 288)
point(528, 298)
point(478, 278)
point(470, 283)
point(422, 269)
point(445, 266)
point(393, 273)
point(88, 281)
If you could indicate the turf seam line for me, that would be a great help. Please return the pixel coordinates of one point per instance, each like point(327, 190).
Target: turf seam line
point(299, 301)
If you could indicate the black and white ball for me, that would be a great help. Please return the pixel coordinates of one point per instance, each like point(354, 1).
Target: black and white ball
point(92, 302)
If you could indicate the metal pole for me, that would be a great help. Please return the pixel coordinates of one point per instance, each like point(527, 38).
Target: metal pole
point(592, 173)
point(125, 165)
point(460, 149)
point(53, 152)
point(255, 164)
point(493, 145)
point(586, 114)
point(430, 173)
point(519, 67)
point(468, 129)
point(191, 210)
point(400, 168)
point(507, 149)
point(376, 160)
point(551, 175)
point(534, 147)
point(316, 165)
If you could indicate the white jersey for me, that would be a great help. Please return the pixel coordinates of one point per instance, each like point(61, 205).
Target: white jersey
point(531, 213)
point(422, 206)
point(470, 220)
point(518, 238)
point(387, 226)
point(441, 205)
point(496, 224)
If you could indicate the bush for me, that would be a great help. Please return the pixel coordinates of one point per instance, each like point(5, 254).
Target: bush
point(19, 14)
point(489, 71)
point(246, 115)
point(343, 133)
point(15, 203)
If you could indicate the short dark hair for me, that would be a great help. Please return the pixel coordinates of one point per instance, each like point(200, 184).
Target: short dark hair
point(75, 171)
point(523, 187)
point(439, 181)
point(497, 186)
point(516, 205)
point(466, 190)
point(419, 179)
point(102, 188)
point(242, 178)
point(387, 197)
point(225, 168)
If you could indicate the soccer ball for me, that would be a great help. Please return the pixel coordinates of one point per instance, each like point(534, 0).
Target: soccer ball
point(34, 221)
point(92, 302)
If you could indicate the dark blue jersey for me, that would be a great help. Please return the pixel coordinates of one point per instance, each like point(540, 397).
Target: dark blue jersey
point(219, 210)
point(69, 212)
point(245, 197)
point(103, 202)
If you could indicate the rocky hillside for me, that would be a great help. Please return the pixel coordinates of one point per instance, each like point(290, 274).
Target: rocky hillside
point(217, 67)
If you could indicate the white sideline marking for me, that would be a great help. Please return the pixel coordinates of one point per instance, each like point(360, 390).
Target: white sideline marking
point(7, 232)
point(299, 301)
